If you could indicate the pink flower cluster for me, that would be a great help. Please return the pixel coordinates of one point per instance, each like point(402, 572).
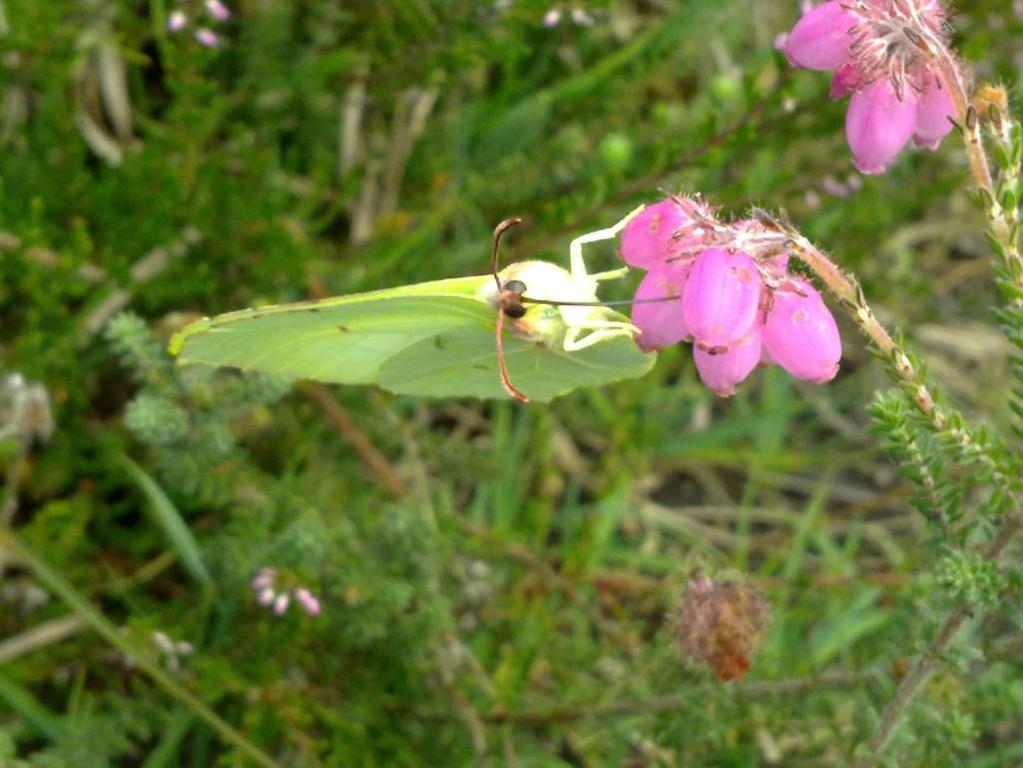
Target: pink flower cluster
point(266, 589)
point(881, 53)
point(217, 11)
point(726, 288)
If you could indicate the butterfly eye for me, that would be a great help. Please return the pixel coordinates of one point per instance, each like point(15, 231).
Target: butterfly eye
point(515, 312)
point(515, 286)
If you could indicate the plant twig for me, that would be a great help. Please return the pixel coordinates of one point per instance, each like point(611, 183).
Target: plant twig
point(654, 704)
point(943, 420)
point(372, 458)
point(924, 665)
point(40, 636)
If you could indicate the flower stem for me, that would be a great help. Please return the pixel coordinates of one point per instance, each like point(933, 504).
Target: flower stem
point(943, 421)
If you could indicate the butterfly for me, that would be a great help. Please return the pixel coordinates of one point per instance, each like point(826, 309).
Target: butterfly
point(532, 331)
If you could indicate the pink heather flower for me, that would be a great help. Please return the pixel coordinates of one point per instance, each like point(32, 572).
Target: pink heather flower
point(878, 125)
point(281, 604)
point(264, 579)
point(551, 18)
point(722, 371)
point(177, 21)
point(800, 333)
point(265, 596)
point(880, 52)
point(309, 602)
point(207, 37)
point(820, 40)
point(218, 10)
point(648, 240)
point(720, 301)
point(661, 323)
point(738, 301)
point(934, 114)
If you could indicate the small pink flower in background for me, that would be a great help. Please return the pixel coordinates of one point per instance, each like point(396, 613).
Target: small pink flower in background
point(207, 37)
point(216, 13)
point(552, 18)
point(177, 21)
point(217, 10)
point(310, 603)
point(269, 595)
point(728, 289)
point(874, 49)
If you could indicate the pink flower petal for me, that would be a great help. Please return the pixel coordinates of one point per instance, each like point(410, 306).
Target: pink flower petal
point(723, 370)
point(878, 125)
point(647, 240)
point(661, 323)
point(820, 40)
point(801, 335)
point(721, 297)
point(934, 113)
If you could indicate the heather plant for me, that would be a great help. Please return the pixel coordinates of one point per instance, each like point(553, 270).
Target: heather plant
point(791, 540)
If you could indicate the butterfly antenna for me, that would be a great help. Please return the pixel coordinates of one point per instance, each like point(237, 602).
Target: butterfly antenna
point(502, 365)
point(499, 231)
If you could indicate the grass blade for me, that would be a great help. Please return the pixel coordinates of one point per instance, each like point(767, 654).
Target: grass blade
point(166, 515)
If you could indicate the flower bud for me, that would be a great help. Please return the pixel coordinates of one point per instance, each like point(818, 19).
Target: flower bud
point(722, 369)
point(801, 335)
point(721, 297)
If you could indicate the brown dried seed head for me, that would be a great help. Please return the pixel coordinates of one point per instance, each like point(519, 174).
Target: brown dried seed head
point(721, 625)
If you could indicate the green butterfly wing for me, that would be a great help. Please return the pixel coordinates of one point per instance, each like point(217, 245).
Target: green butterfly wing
point(431, 339)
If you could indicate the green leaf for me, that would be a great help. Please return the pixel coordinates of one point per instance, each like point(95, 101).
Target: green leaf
point(432, 339)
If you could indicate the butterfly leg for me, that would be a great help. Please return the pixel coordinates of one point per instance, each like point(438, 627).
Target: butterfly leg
point(575, 249)
point(599, 330)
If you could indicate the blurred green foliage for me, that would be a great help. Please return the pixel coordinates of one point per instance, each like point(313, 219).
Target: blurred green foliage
point(497, 582)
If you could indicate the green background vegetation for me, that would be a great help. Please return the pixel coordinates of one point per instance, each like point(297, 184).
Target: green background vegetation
point(498, 581)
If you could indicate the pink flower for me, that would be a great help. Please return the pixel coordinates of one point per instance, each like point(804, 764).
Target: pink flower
point(820, 40)
point(801, 335)
point(207, 37)
point(727, 287)
point(720, 301)
point(661, 322)
point(878, 125)
point(934, 114)
point(879, 52)
point(648, 241)
point(309, 602)
point(218, 10)
point(551, 18)
point(281, 604)
point(177, 21)
point(722, 371)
